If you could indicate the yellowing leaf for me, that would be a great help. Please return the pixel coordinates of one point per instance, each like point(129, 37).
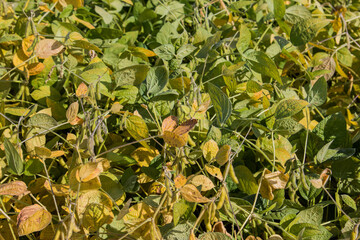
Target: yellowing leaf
point(26, 44)
point(143, 156)
point(32, 219)
point(182, 84)
point(203, 181)
point(48, 47)
point(16, 188)
point(89, 171)
point(190, 193)
point(82, 90)
point(223, 154)
point(185, 127)
point(72, 112)
point(210, 149)
point(214, 171)
point(137, 128)
point(147, 52)
point(43, 152)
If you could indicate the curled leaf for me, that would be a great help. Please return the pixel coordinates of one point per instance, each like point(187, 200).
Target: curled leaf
point(48, 47)
point(272, 181)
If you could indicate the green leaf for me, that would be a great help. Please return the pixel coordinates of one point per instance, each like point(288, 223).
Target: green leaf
point(107, 17)
point(325, 153)
point(85, 45)
point(244, 39)
point(344, 56)
point(287, 126)
point(311, 215)
point(156, 79)
point(132, 75)
point(261, 63)
point(104, 33)
point(302, 32)
point(129, 181)
point(297, 13)
point(137, 128)
point(42, 120)
point(289, 107)
point(185, 50)
point(247, 182)
point(181, 209)
point(165, 52)
point(221, 103)
point(349, 201)
point(306, 231)
point(346, 168)
point(333, 127)
point(33, 166)
point(318, 92)
point(10, 38)
point(13, 157)
point(277, 7)
point(210, 42)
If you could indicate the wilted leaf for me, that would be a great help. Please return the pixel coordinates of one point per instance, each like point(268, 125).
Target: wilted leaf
point(190, 193)
point(32, 219)
point(272, 181)
point(202, 181)
point(47, 48)
point(16, 188)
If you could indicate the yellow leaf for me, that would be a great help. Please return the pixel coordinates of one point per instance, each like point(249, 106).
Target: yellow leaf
point(85, 23)
point(91, 197)
point(28, 43)
point(223, 154)
point(48, 47)
point(145, 51)
point(82, 90)
point(210, 149)
point(175, 140)
point(214, 171)
point(190, 193)
point(89, 171)
point(19, 60)
point(89, 185)
point(136, 216)
point(143, 156)
point(35, 68)
point(16, 188)
point(180, 180)
point(96, 215)
point(202, 181)
point(32, 219)
point(137, 128)
point(59, 190)
point(156, 188)
point(169, 124)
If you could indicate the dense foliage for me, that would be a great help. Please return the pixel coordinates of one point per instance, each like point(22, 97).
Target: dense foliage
point(161, 119)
